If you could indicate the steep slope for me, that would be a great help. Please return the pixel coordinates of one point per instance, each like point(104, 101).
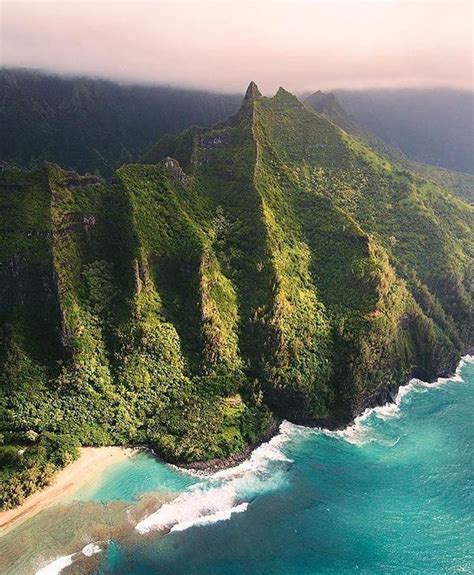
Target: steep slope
point(459, 183)
point(400, 223)
point(431, 125)
point(270, 264)
point(128, 331)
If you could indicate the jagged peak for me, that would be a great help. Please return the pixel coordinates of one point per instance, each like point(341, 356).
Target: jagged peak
point(252, 93)
point(324, 102)
point(251, 96)
point(282, 92)
point(283, 95)
point(320, 95)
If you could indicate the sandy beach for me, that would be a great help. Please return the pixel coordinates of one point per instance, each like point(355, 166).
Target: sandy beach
point(91, 463)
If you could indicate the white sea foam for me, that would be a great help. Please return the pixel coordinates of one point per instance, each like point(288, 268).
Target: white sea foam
point(360, 433)
point(219, 495)
point(91, 549)
point(56, 566)
point(258, 462)
point(190, 507)
point(213, 518)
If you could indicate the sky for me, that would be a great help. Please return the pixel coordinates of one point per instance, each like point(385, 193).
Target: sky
point(222, 45)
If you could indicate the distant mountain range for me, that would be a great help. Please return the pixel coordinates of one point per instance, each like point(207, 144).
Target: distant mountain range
point(434, 126)
point(94, 126)
point(270, 266)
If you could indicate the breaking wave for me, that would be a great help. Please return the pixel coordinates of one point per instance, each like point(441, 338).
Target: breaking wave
point(56, 566)
point(360, 431)
point(224, 493)
point(220, 495)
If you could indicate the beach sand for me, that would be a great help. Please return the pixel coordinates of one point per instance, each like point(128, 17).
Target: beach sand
point(91, 463)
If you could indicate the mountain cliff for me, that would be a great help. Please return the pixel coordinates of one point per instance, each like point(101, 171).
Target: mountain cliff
point(270, 266)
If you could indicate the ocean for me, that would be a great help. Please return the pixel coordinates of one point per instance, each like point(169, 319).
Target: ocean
point(392, 493)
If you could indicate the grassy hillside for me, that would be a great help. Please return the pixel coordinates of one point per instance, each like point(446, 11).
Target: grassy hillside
point(270, 265)
point(459, 183)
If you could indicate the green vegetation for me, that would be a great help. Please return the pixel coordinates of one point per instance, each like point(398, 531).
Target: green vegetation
point(93, 125)
point(279, 268)
point(459, 183)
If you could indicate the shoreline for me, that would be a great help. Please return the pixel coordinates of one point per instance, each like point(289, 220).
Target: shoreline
point(214, 465)
point(385, 395)
point(92, 462)
point(126, 530)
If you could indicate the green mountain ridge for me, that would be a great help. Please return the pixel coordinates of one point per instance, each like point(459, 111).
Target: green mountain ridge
point(94, 125)
point(270, 266)
point(459, 183)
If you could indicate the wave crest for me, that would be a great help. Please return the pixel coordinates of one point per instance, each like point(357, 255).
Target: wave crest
point(360, 433)
point(56, 566)
point(220, 495)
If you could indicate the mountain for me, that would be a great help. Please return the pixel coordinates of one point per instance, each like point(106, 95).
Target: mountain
point(433, 125)
point(94, 125)
point(460, 184)
point(270, 266)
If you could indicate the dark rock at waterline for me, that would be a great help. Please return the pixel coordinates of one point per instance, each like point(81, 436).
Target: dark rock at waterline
point(214, 465)
point(381, 397)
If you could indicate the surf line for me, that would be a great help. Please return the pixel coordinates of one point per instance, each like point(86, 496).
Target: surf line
point(228, 492)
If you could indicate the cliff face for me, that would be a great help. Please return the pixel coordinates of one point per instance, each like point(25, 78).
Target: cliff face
point(270, 264)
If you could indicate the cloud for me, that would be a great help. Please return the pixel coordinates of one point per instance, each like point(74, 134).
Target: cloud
point(301, 44)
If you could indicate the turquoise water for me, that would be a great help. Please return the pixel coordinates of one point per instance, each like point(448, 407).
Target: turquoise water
point(127, 480)
point(392, 494)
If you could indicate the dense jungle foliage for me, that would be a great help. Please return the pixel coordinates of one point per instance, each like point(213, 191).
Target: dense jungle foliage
point(271, 266)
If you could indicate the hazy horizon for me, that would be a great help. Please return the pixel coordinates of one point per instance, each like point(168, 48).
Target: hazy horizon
point(221, 46)
point(236, 92)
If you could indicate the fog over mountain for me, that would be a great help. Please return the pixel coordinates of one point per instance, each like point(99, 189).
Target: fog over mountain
point(94, 125)
point(433, 126)
point(300, 44)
